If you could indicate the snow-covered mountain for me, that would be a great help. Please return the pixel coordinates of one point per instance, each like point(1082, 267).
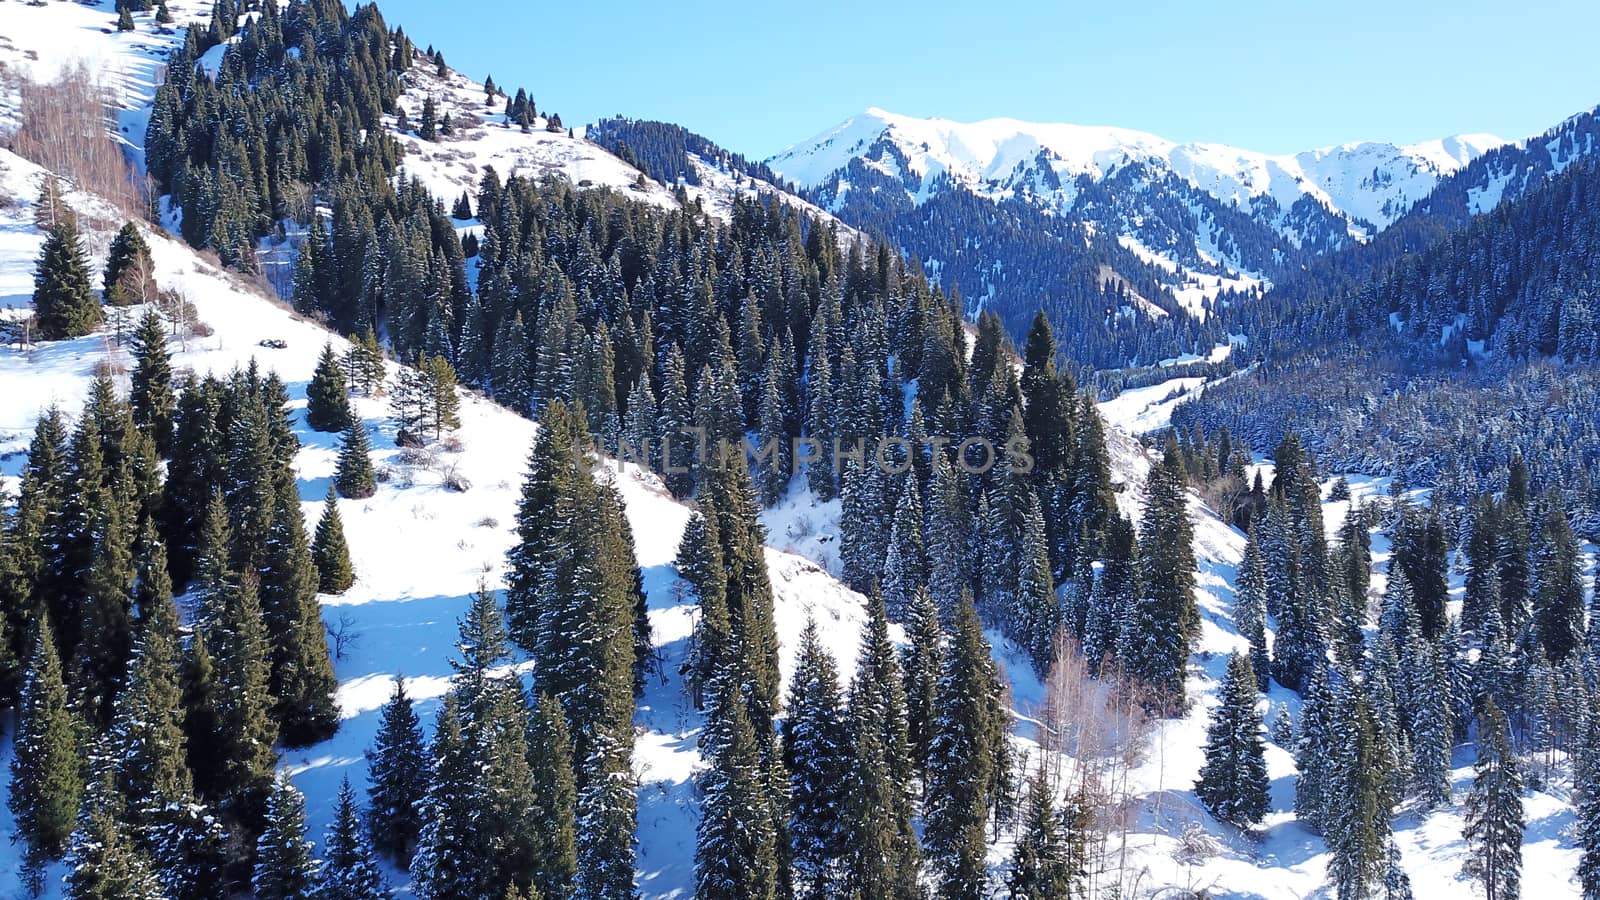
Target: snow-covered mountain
point(1223, 197)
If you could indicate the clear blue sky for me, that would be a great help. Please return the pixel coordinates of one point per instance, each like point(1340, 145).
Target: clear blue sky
point(1273, 76)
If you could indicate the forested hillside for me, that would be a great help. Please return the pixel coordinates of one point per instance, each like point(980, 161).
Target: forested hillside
point(406, 493)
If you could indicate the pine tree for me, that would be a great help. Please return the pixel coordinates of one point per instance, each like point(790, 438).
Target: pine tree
point(816, 747)
point(1494, 822)
point(246, 731)
point(46, 770)
point(964, 760)
point(451, 858)
point(327, 399)
point(125, 20)
point(1037, 615)
point(1233, 782)
point(363, 364)
point(63, 302)
point(302, 681)
point(348, 871)
point(329, 550)
point(1558, 584)
point(736, 853)
point(284, 869)
point(397, 778)
point(151, 396)
point(699, 564)
point(1041, 864)
point(354, 478)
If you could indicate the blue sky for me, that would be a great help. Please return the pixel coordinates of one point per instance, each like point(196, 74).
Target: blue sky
point(1271, 76)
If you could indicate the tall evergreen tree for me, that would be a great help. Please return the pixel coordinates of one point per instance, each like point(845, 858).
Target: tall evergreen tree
point(354, 477)
point(1250, 607)
point(1041, 864)
point(884, 859)
point(329, 551)
point(284, 867)
point(327, 397)
point(1233, 781)
point(1165, 616)
point(816, 748)
point(965, 760)
point(1494, 821)
point(348, 871)
point(104, 862)
point(555, 794)
point(46, 770)
point(397, 778)
point(63, 302)
point(736, 853)
point(151, 394)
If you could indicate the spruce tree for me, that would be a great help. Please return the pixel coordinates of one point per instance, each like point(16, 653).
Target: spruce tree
point(128, 276)
point(736, 853)
point(1557, 583)
point(151, 395)
point(964, 760)
point(46, 770)
point(884, 859)
point(923, 664)
point(1041, 864)
point(327, 398)
point(1165, 615)
point(354, 478)
point(1587, 812)
point(64, 304)
point(699, 564)
point(105, 862)
point(329, 551)
point(451, 858)
point(348, 871)
point(1250, 607)
point(816, 747)
point(1357, 799)
point(397, 778)
point(1493, 819)
point(303, 681)
point(1233, 782)
point(284, 869)
point(905, 568)
point(555, 795)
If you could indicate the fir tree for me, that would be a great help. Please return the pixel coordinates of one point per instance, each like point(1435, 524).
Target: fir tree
point(1558, 585)
point(1233, 781)
point(397, 778)
point(1357, 801)
point(1165, 616)
point(1494, 822)
point(354, 478)
point(348, 871)
point(1250, 607)
point(327, 400)
point(46, 770)
point(923, 664)
point(329, 551)
point(284, 869)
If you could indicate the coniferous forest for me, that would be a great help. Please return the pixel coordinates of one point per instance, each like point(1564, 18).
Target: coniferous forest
point(1038, 591)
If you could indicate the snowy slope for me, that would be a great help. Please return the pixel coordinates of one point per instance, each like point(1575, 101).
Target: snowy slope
point(419, 550)
point(482, 138)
